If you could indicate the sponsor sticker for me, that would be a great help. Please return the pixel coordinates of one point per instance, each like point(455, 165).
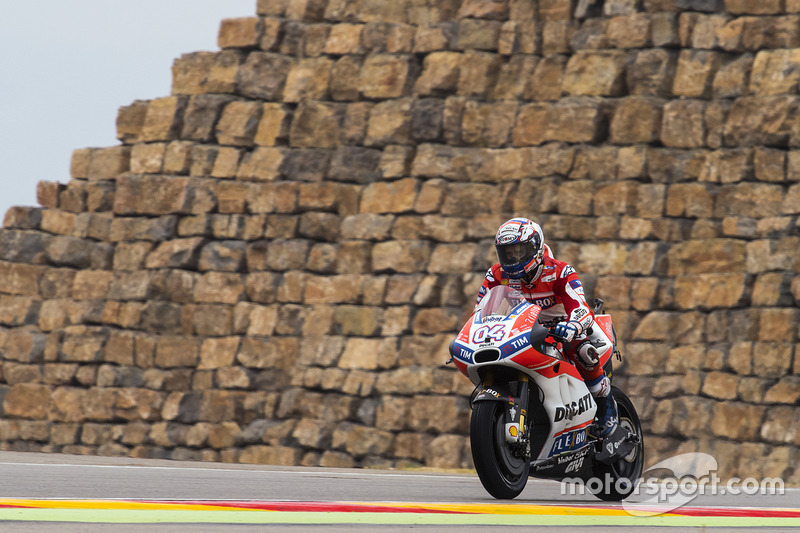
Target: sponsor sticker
point(569, 440)
point(545, 302)
point(576, 286)
point(567, 271)
point(573, 409)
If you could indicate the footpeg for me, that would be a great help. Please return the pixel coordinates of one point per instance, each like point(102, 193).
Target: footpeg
point(619, 444)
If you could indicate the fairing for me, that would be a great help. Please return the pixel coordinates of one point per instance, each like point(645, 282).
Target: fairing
point(504, 332)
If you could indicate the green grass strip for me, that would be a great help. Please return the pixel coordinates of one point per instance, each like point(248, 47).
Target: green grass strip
point(271, 517)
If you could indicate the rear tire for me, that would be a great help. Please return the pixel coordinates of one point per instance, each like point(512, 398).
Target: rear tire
point(624, 473)
point(502, 474)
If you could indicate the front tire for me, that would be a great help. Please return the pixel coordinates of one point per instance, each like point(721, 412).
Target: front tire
point(502, 473)
point(620, 478)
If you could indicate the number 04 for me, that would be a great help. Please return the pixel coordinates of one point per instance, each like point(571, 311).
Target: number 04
point(495, 332)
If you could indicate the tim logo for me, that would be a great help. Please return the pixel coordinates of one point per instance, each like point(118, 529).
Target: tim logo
point(462, 353)
point(576, 285)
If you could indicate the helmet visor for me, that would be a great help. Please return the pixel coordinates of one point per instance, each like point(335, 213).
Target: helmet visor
point(516, 254)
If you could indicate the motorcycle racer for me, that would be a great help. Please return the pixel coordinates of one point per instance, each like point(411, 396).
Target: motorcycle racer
point(527, 264)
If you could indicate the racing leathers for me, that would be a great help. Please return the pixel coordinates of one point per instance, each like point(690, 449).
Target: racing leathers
point(559, 292)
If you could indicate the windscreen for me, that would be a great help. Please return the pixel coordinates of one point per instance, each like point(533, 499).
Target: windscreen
point(500, 300)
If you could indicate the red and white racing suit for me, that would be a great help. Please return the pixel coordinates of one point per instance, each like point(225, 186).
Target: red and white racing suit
point(559, 292)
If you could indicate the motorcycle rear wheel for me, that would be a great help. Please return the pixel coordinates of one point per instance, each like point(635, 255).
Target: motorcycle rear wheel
point(624, 473)
point(502, 474)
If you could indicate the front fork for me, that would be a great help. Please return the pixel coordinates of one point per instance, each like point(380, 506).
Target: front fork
point(515, 412)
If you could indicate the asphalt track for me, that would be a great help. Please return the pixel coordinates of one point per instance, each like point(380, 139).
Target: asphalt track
point(42, 492)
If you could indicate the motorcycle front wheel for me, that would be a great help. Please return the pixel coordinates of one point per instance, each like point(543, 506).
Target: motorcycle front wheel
point(502, 473)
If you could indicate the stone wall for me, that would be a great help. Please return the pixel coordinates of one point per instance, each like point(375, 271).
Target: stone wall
point(271, 263)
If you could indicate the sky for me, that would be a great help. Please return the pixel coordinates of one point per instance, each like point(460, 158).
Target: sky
point(67, 66)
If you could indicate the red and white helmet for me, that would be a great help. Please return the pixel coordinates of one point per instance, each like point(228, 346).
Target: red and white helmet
point(520, 248)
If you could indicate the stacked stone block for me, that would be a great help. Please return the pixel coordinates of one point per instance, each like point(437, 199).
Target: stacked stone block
point(270, 265)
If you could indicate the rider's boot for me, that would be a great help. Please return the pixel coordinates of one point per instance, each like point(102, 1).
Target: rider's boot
point(607, 415)
point(607, 412)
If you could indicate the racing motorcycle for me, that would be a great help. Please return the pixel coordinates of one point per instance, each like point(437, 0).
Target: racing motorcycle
point(532, 414)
